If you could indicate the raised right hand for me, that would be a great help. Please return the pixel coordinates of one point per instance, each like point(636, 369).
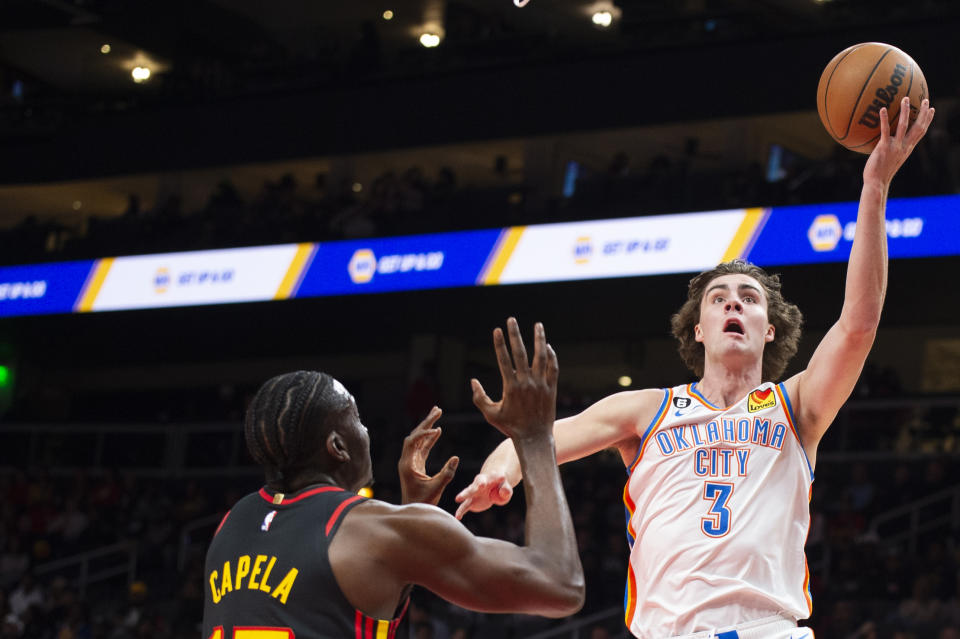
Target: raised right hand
point(529, 404)
point(487, 489)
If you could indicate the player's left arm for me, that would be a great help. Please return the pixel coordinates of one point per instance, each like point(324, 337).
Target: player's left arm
point(819, 391)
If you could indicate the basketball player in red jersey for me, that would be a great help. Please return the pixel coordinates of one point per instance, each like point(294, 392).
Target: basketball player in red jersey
point(720, 470)
point(308, 557)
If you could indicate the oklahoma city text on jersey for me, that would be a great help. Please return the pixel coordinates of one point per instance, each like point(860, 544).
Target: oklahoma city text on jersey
point(706, 502)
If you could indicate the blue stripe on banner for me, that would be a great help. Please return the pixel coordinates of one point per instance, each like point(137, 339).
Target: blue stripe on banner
point(916, 227)
point(42, 289)
point(413, 262)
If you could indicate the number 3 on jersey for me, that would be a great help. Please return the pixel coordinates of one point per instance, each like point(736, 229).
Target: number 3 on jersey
point(254, 633)
point(717, 521)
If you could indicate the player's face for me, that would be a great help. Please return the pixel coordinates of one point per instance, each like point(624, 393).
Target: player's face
point(733, 318)
point(358, 442)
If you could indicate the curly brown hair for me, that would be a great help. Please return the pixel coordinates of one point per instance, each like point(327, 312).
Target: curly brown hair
point(785, 317)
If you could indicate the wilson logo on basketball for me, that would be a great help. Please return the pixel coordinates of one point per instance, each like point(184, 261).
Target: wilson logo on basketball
point(871, 117)
point(758, 400)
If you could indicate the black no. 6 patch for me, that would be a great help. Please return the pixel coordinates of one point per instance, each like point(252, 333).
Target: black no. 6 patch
point(681, 402)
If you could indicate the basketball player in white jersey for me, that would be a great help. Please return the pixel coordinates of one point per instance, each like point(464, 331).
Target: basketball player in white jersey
point(720, 470)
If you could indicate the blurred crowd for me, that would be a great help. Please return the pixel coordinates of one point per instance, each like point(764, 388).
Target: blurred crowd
point(868, 580)
point(409, 201)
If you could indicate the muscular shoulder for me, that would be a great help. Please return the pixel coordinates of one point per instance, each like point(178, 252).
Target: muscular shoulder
point(614, 421)
point(379, 518)
point(394, 531)
point(637, 406)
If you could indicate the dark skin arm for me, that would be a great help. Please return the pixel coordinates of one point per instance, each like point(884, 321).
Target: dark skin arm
point(380, 548)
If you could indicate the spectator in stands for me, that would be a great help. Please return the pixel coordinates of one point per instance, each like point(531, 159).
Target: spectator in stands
point(922, 611)
point(27, 593)
point(868, 630)
point(68, 526)
point(903, 489)
point(14, 561)
point(860, 489)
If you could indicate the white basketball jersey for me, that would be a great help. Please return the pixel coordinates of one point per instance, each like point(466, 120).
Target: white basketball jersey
point(718, 507)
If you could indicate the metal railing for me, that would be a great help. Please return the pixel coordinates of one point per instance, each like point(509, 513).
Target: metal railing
point(187, 537)
point(573, 628)
point(172, 451)
point(943, 512)
point(88, 565)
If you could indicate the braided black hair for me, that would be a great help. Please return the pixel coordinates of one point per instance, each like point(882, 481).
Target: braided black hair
point(287, 422)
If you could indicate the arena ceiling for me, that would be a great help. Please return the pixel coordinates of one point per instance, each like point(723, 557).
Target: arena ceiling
point(50, 50)
point(245, 81)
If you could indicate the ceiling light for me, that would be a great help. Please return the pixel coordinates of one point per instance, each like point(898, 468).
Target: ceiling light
point(429, 40)
point(357, 187)
point(388, 15)
point(625, 380)
point(140, 74)
point(603, 18)
point(105, 49)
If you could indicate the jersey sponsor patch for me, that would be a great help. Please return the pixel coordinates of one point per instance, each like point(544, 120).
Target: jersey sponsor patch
point(265, 526)
point(761, 399)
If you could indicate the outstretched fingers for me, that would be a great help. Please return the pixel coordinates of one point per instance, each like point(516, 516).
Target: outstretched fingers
point(520, 362)
point(480, 398)
point(552, 366)
point(428, 421)
point(424, 434)
point(922, 123)
point(884, 126)
point(445, 475)
point(539, 350)
point(503, 357)
point(464, 506)
point(904, 120)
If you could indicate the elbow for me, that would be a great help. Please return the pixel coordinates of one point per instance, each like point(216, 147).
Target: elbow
point(552, 594)
point(863, 332)
point(568, 598)
point(574, 597)
point(862, 329)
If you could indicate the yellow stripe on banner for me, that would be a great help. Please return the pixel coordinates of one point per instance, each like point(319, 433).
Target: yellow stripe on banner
point(383, 629)
point(94, 284)
point(503, 255)
point(749, 224)
point(294, 271)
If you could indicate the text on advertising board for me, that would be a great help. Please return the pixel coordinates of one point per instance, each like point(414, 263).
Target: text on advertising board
point(364, 264)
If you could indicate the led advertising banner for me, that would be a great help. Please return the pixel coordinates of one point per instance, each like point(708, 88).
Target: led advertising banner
point(916, 227)
point(628, 247)
point(196, 277)
point(440, 260)
point(41, 289)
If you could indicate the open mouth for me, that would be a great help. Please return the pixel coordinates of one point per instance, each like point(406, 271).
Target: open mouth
point(733, 326)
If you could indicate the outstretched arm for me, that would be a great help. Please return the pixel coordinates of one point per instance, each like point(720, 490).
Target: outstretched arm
point(821, 389)
point(611, 422)
point(423, 545)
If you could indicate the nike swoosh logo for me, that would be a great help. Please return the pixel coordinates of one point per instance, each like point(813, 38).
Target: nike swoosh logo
point(803, 636)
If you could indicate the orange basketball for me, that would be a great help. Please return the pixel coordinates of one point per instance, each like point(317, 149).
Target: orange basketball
point(857, 83)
